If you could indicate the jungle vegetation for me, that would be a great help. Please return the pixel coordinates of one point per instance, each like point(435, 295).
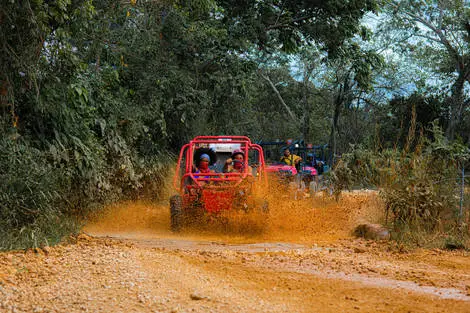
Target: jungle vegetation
point(97, 96)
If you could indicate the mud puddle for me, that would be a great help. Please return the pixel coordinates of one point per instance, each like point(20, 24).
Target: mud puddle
point(294, 252)
point(209, 246)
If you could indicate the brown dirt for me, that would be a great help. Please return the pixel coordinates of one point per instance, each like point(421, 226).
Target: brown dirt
point(302, 259)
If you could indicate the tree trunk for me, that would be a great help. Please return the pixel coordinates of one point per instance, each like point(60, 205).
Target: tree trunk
point(334, 124)
point(307, 109)
point(343, 97)
point(456, 103)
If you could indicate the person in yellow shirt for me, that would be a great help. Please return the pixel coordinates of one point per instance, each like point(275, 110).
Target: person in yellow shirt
point(290, 158)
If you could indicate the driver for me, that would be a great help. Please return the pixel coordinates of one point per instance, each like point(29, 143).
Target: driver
point(290, 158)
point(235, 164)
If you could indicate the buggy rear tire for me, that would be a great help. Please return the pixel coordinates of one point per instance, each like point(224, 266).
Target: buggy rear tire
point(176, 213)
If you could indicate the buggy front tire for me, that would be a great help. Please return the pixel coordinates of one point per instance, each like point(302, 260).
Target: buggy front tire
point(176, 213)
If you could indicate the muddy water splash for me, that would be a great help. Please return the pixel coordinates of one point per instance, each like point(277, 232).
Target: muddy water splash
point(312, 219)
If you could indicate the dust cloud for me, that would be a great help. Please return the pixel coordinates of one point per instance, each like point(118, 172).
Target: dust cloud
point(314, 219)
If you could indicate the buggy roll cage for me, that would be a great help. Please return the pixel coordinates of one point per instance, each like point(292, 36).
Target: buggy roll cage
point(187, 152)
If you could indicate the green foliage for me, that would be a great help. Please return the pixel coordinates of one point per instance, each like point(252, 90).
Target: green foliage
point(289, 24)
point(73, 138)
point(97, 96)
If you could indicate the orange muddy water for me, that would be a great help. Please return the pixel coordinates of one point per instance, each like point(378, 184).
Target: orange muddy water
point(300, 258)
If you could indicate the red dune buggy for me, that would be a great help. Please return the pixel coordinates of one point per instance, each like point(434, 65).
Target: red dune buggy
point(216, 189)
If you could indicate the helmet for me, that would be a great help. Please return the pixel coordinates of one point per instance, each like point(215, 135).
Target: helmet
point(235, 152)
point(205, 151)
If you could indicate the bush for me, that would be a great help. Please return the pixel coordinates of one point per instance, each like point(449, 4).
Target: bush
point(81, 144)
point(420, 188)
point(30, 202)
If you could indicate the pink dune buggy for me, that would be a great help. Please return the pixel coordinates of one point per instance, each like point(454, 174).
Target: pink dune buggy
point(213, 191)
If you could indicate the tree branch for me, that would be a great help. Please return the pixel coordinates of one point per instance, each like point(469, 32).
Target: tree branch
point(289, 24)
point(429, 38)
point(279, 15)
point(442, 38)
point(291, 114)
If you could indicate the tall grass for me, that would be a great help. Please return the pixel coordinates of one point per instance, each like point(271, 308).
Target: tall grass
point(420, 186)
point(31, 208)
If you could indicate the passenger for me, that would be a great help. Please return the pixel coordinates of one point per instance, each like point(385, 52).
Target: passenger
point(203, 165)
point(319, 166)
point(311, 160)
point(203, 159)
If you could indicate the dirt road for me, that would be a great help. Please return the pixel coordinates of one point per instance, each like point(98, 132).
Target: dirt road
point(305, 260)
